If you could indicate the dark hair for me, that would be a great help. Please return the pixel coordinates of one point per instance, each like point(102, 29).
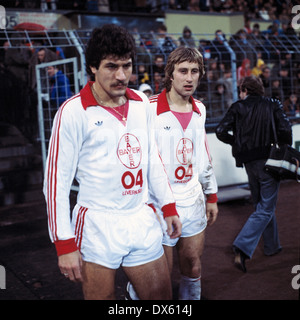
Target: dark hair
point(179, 55)
point(108, 40)
point(253, 85)
point(162, 27)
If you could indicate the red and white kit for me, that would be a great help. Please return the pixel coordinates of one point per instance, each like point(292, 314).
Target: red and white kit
point(116, 164)
point(182, 143)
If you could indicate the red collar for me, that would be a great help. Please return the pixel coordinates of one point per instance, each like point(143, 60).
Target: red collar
point(87, 98)
point(163, 105)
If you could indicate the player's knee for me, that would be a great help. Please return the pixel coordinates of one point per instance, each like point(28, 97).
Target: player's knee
point(191, 267)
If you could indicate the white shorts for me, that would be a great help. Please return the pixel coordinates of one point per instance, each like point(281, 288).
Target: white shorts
point(193, 219)
point(112, 239)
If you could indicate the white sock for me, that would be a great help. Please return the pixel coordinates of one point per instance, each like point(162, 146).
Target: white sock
point(190, 288)
point(133, 295)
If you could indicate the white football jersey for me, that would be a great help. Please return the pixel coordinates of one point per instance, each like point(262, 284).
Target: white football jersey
point(115, 162)
point(184, 152)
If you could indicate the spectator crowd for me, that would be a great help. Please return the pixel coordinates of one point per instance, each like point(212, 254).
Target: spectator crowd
point(18, 82)
point(268, 10)
point(272, 55)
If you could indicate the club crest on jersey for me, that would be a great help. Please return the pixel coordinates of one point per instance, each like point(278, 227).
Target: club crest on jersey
point(184, 151)
point(129, 151)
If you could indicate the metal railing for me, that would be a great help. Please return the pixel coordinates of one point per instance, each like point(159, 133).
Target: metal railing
point(223, 61)
point(52, 89)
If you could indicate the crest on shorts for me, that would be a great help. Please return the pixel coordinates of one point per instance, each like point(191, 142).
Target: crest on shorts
point(129, 151)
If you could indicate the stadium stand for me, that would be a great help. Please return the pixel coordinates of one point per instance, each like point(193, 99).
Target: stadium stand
point(253, 9)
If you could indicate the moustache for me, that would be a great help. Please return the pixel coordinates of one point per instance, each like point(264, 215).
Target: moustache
point(119, 83)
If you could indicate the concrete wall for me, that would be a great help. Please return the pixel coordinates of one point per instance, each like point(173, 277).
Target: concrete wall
point(203, 23)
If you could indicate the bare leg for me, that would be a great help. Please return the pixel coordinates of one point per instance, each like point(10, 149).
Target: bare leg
point(189, 252)
point(98, 282)
point(169, 255)
point(151, 281)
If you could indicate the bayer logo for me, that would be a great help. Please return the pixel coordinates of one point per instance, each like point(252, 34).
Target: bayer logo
point(129, 151)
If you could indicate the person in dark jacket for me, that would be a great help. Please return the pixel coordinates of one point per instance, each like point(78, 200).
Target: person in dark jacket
point(247, 127)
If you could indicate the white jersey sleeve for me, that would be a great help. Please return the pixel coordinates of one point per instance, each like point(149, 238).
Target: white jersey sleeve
point(160, 190)
point(207, 177)
point(63, 151)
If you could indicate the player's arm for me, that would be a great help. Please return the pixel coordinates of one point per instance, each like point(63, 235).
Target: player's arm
point(208, 181)
point(59, 174)
point(172, 220)
point(159, 186)
point(211, 208)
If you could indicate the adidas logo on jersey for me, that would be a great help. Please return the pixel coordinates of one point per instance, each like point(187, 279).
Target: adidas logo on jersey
point(167, 128)
point(99, 123)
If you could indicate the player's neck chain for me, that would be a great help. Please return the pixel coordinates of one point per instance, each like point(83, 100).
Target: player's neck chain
point(106, 104)
point(120, 114)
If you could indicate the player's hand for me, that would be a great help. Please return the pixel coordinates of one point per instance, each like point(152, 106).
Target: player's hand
point(70, 265)
point(173, 226)
point(211, 213)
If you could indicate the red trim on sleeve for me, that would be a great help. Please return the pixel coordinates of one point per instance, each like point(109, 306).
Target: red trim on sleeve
point(211, 198)
point(151, 205)
point(169, 210)
point(65, 246)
